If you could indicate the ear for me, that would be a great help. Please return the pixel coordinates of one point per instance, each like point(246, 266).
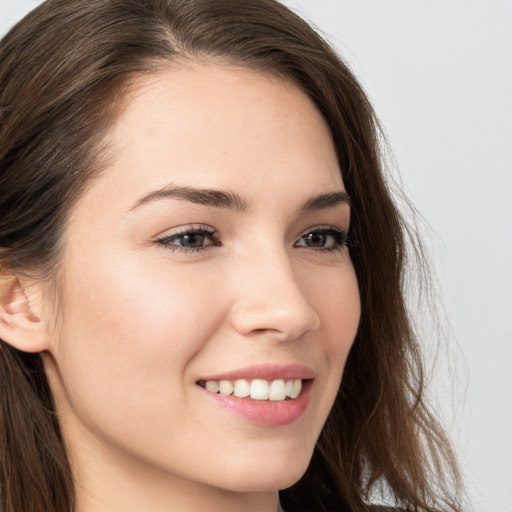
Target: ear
point(21, 323)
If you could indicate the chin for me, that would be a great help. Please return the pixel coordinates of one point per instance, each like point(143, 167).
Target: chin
point(275, 474)
point(266, 483)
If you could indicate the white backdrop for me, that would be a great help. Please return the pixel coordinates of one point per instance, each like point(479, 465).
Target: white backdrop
point(440, 77)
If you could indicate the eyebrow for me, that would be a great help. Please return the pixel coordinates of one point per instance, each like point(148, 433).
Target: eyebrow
point(327, 200)
point(207, 197)
point(233, 201)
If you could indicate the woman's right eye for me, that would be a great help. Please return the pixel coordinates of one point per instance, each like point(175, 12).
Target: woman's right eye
point(190, 239)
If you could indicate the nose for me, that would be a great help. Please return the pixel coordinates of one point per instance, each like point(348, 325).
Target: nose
point(271, 299)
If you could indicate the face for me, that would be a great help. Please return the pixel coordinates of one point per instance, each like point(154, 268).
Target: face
point(210, 254)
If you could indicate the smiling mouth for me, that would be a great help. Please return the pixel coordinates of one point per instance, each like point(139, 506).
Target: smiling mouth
point(278, 390)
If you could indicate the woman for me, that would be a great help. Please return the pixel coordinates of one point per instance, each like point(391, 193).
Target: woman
point(201, 271)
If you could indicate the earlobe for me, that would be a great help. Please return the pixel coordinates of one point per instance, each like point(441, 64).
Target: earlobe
point(20, 324)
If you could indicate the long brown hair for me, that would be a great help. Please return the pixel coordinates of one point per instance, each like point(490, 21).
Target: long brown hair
point(64, 71)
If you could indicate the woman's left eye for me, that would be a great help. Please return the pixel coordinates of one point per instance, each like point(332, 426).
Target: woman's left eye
point(189, 239)
point(323, 238)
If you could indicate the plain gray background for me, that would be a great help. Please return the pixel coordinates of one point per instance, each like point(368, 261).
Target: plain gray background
point(439, 74)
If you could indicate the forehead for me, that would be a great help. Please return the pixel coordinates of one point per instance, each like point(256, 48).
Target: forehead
point(217, 126)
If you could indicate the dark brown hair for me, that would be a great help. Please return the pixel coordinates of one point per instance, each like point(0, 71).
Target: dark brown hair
point(64, 71)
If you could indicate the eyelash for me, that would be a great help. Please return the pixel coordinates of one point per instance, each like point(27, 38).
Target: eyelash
point(167, 241)
point(340, 237)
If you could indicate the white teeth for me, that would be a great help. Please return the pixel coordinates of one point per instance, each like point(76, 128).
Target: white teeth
point(225, 387)
point(242, 388)
point(257, 389)
point(212, 386)
point(277, 390)
point(296, 388)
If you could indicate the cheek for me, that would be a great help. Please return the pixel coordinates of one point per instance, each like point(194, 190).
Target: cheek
point(126, 338)
point(339, 308)
point(344, 315)
point(337, 300)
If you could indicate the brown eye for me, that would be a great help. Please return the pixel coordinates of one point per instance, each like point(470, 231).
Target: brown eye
point(192, 239)
point(323, 239)
point(315, 239)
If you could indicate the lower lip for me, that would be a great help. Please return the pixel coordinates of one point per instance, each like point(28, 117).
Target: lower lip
point(266, 412)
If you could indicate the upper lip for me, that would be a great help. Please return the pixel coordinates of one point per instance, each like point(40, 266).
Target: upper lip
point(266, 372)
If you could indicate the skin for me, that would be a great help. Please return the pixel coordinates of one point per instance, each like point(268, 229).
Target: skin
point(140, 323)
